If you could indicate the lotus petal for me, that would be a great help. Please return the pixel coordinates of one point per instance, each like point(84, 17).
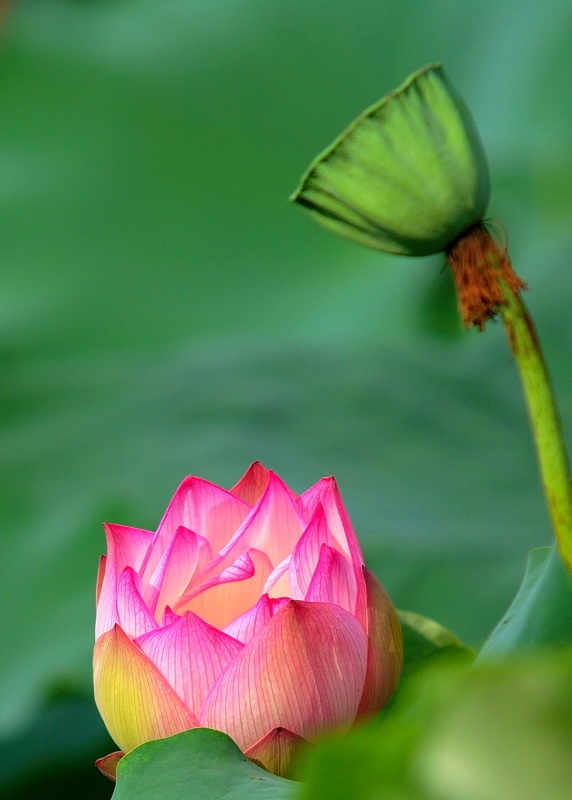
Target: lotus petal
point(304, 670)
point(251, 486)
point(100, 577)
point(333, 580)
point(385, 648)
point(223, 597)
point(248, 624)
point(278, 583)
point(187, 555)
point(108, 764)
point(134, 699)
point(327, 493)
point(307, 552)
point(202, 507)
point(275, 750)
point(125, 547)
point(273, 525)
point(133, 615)
point(190, 654)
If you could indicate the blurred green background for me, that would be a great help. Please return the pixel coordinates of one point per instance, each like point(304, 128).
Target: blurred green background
point(164, 311)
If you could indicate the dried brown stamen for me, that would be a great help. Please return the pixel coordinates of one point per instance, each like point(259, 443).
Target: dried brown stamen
point(479, 266)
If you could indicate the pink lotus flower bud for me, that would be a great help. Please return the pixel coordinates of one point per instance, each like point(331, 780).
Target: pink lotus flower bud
point(249, 611)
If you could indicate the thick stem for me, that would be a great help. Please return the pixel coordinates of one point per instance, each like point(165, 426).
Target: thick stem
point(486, 285)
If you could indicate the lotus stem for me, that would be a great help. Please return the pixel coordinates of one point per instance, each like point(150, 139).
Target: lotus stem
point(477, 254)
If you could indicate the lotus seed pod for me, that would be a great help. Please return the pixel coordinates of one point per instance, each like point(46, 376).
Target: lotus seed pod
point(408, 176)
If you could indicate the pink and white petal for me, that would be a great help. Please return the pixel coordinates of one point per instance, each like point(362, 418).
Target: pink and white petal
point(326, 492)
point(220, 603)
point(134, 699)
point(385, 648)
point(304, 670)
point(134, 616)
point(333, 580)
point(125, 547)
point(108, 764)
point(187, 554)
point(306, 554)
point(278, 583)
point(190, 654)
point(205, 508)
point(248, 624)
point(251, 486)
point(274, 752)
point(100, 577)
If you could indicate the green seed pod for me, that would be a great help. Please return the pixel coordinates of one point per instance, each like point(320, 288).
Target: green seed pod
point(408, 176)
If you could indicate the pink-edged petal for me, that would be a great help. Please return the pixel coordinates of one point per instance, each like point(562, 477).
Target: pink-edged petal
point(126, 547)
point(326, 492)
point(278, 583)
point(191, 654)
point(273, 526)
point(186, 555)
point(108, 764)
point(274, 752)
point(248, 624)
point(134, 616)
point(169, 616)
point(205, 508)
point(304, 671)
point(306, 554)
point(129, 546)
point(251, 486)
point(223, 597)
point(100, 577)
point(385, 648)
point(134, 699)
point(333, 580)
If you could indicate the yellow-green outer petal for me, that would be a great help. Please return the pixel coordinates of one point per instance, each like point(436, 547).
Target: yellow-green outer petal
point(408, 176)
point(134, 699)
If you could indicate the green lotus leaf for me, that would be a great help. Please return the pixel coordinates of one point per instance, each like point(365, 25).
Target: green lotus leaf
point(408, 176)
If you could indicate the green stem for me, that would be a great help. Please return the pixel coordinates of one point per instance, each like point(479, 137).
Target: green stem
point(544, 418)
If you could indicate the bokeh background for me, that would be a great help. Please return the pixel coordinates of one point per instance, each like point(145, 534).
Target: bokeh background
point(165, 311)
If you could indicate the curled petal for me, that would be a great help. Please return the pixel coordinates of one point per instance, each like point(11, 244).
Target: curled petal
point(134, 699)
point(304, 670)
point(248, 624)
point(333, 580)
point(108, 764)
point(385, 648)
point(242, 569)
point(191, 654)
point(134, 616)
point(251, 486)
point(223, 597)
point(275, 750)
